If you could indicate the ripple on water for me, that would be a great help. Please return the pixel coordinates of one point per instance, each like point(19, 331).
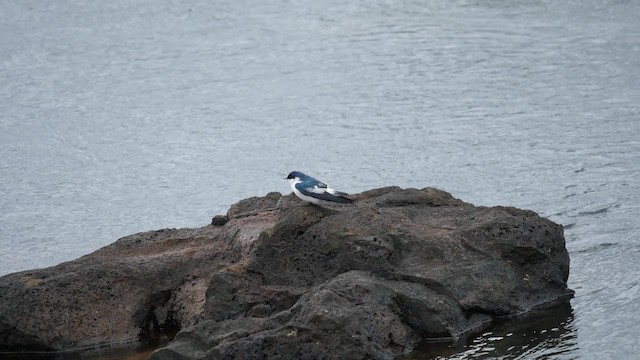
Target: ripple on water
point(597, 211)
point(604, 278)
point(595, 248)
point(541, 334)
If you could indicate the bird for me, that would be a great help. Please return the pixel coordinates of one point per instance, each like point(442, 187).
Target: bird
point(312, 190)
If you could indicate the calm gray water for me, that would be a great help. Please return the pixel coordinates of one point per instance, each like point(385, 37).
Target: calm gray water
point(126, 116)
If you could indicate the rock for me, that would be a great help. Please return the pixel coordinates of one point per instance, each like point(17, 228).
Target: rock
point(219, 220)
point(281, 278)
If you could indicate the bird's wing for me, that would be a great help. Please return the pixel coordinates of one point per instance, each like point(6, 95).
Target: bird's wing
point(322, 193)
point(311, 187)
point(336, 192)
point(318, 188)
point(310, 181)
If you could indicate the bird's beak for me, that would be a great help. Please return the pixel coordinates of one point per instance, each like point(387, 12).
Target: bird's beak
point(285, 178)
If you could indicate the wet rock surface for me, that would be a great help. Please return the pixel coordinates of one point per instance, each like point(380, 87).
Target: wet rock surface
point(278, 278)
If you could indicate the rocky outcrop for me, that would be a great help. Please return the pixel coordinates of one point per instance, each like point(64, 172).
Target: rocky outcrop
point(277, 278)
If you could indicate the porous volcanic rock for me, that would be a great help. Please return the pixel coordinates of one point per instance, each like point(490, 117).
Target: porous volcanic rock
point(278, 278)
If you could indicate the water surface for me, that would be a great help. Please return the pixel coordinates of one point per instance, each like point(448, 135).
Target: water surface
point(128, 116)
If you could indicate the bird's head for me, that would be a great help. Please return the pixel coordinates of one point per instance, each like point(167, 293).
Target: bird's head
point(295, 176)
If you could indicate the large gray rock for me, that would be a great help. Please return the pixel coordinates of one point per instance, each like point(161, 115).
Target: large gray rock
point(281, 279)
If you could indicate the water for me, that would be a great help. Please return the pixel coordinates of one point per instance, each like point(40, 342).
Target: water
point(125, 116)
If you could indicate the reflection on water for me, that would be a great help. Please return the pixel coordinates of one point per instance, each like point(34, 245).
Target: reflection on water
point(549, 333)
